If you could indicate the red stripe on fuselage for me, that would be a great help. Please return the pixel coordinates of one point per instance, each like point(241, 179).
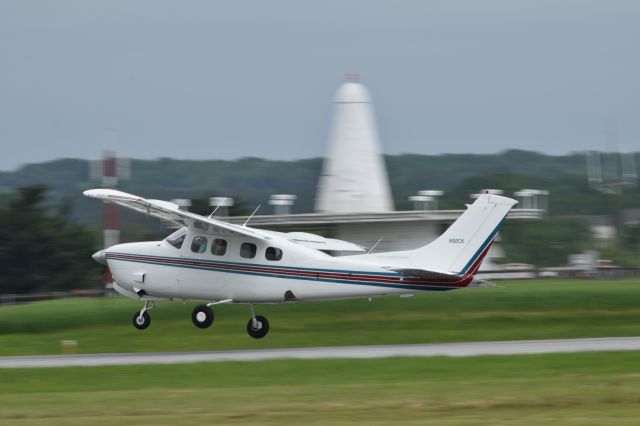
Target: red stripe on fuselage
point(303, 274)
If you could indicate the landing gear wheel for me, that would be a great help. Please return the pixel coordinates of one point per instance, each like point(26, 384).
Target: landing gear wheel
point(141, 321)
point(261, 327)
point(202, 316)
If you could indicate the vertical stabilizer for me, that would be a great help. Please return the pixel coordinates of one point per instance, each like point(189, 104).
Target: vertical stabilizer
point(463, 245)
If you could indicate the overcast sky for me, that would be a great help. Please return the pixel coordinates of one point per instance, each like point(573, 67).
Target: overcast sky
point(212, 79)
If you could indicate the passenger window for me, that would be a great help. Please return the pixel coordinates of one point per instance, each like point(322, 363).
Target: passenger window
point(199, 244)
point(273, 253)
point(248, 250)
point(219, 247)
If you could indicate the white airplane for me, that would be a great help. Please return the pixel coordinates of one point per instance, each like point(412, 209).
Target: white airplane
point(217, 262)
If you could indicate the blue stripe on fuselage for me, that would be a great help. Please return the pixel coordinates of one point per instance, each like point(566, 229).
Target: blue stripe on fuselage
point(425, 287)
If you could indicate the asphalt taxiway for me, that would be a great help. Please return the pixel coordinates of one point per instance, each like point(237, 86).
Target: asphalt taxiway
point(346, 352)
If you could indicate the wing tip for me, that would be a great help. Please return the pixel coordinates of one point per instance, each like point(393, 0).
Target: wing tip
point(91, 193)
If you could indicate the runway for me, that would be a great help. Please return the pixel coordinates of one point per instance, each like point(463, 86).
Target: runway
point(346, 352)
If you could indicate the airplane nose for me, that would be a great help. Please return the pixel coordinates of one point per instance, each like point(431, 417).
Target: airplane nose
point(100, 257)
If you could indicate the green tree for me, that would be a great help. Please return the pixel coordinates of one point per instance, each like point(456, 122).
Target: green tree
point(630, 237)
point(42, 249)
point(545, 242)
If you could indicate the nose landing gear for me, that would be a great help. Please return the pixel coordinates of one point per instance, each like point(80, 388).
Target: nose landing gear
point(141, 320)
point(258, 326)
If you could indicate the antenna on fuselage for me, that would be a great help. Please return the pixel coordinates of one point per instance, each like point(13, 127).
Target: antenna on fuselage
point(375, 245)
point(218, 206)
point(254, 212)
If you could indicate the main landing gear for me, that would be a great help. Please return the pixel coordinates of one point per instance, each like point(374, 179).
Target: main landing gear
point(202, 316)
point(258, 326)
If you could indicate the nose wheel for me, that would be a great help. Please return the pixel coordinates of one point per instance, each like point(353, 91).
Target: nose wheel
point(202, 316)
point(141, 320)
point(258, 326)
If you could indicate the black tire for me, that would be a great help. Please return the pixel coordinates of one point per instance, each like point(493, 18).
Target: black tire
point(261, 331)
point(143, 322)
point(202, 316)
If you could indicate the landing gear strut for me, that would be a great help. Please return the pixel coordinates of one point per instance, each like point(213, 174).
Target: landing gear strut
point(202, 316)
point(258, 326)
point(141, 320)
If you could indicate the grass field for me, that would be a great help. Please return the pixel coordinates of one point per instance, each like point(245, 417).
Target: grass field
point(559, 389)
point(514, 310)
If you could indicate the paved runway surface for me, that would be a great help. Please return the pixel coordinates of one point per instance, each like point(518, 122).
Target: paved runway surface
point(353, 352)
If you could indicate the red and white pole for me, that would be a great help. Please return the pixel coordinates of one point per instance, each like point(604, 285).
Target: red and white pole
point(111, 228)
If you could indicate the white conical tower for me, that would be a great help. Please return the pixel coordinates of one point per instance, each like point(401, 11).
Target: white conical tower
point(354, 177)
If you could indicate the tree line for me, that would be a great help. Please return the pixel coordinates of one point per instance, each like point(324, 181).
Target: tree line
point(42, 249)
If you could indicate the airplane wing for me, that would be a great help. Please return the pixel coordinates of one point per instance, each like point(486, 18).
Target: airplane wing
point(423, 274)
point(318, 242)
point(170, 212)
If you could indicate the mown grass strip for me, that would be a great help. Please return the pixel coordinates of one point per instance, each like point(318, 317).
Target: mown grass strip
point(590, 388)
point(512, 311)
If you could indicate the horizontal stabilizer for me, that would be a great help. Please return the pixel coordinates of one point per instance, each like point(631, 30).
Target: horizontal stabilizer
point(423, 274)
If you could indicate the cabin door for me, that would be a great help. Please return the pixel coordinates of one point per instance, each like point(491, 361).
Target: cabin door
point(201, 275)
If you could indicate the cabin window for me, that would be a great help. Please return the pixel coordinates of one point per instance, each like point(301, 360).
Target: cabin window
point(248, 250)
point(199, 244)
point(219, 247)
point(177, 238)
point(273, 253)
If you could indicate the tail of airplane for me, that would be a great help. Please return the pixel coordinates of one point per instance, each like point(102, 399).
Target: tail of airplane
point(462, 247)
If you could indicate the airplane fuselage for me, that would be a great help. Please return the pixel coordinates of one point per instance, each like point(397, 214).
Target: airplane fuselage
point(212, 267)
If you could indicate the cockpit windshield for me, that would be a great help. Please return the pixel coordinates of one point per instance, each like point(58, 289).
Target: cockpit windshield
point(177, 238)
